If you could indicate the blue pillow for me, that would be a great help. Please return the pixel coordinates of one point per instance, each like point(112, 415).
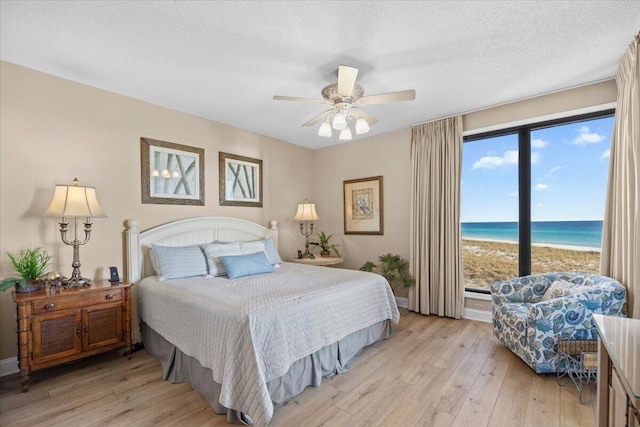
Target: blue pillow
point(246, 265)
point(177, 262)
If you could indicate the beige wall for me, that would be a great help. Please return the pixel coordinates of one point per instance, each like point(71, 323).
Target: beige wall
point(53, 130)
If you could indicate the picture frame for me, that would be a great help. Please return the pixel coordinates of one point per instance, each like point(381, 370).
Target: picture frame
point(171, 174)
point(364, 206)
point(240, 180)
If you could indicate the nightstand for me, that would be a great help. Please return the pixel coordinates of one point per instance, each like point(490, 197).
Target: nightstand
point(57, 327)
point(323, 261)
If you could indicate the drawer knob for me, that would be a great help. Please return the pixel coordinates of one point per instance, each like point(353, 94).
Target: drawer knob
point(49, 306)
point(110, 296)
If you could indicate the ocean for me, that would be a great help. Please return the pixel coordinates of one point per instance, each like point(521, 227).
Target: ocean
point(567, 233)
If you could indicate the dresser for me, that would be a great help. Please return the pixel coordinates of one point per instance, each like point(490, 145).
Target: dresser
point(618, 371)
point(55, 327)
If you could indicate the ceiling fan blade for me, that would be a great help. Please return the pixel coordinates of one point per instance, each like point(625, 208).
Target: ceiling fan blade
point(383, 98)
point(319, 118)
point(359, 113)
point(346, 80)
point(294, 98)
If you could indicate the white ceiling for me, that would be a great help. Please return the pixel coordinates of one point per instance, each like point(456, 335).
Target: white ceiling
point(225, 60)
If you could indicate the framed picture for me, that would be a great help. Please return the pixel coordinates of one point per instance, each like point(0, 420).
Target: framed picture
point(240, 180)
point(363, 206)
point(172, 174)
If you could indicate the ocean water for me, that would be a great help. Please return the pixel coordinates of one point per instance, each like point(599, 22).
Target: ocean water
point(568, 233)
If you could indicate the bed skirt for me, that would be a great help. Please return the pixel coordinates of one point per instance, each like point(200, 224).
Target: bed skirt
point(328, 361)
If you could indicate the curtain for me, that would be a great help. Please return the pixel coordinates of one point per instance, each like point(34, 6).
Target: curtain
point(435, 247)
point(620, 257)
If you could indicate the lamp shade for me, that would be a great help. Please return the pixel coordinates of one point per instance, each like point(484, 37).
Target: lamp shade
point(306, 212)
point(72, 201)
point(362, 126)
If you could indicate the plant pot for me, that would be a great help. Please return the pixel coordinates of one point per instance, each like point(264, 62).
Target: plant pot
point(325, 254)
point(34, 286)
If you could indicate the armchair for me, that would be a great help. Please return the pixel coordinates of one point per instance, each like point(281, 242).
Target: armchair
point(531, 327)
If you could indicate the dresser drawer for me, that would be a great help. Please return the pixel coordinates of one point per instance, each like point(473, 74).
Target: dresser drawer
point(76, 301)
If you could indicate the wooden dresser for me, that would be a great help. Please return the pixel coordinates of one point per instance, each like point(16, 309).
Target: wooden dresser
point(57, 327)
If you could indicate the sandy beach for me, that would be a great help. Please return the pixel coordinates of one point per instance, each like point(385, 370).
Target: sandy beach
point(488, 261)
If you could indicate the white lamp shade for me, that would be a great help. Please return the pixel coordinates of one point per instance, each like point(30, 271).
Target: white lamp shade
point(74, 201)
point(339, 121)
point(325, 129)
point(362, 126)
point(345, 134)
point(306, 212)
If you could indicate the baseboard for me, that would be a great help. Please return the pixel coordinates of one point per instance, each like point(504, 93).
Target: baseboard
point(402, 302)
point(479, 315)
point(8, 366)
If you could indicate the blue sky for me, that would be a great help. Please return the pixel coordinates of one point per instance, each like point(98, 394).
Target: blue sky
point(569, 173)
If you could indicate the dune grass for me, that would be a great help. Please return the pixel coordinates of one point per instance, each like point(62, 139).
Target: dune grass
point(488, 262)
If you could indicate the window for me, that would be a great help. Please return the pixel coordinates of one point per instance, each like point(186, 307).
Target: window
point(533, 199)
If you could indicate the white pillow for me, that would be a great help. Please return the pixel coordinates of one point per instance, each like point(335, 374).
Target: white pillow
point(267, 246)
point(213, 251)
point(561, 288)
point(178, 262)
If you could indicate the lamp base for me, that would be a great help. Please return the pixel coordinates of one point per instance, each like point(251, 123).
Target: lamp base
point(76, 282)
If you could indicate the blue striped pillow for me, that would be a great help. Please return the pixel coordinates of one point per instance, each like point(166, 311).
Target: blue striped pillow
point(177, 262)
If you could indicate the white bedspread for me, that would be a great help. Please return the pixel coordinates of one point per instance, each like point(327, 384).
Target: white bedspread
point(249, 331)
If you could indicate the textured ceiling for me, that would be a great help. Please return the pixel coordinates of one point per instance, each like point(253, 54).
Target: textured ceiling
point(225, 60)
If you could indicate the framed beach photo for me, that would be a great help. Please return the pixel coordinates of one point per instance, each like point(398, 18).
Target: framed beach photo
point(171, 173)
point(363, 206)
point(240, 180)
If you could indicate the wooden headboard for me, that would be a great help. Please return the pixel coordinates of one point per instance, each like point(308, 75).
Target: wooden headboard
point(192, 231)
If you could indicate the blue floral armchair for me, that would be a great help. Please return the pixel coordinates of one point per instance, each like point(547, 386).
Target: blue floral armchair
point(531, 328)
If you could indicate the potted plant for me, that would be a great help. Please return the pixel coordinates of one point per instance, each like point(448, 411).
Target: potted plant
point(31, 265)
point(322, 241)
point(394, 268)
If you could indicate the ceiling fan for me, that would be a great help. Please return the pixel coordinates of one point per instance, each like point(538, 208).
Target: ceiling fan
point(346, 97)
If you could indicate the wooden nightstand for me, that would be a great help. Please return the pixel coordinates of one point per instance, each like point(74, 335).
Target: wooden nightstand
point(57, 327)
point(329, 260)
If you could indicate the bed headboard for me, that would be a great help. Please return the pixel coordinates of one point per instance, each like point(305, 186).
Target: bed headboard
point(192, 231)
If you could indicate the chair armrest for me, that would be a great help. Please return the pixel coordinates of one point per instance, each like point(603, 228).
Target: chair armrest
point(519, 289)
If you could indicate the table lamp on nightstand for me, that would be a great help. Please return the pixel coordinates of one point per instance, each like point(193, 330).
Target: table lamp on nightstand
point(306, 214)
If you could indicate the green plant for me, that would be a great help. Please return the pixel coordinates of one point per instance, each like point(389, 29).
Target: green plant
point(30, 264)
point(394, 268)
point(323, 242)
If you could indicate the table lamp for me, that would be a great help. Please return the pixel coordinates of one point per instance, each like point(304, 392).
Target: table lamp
point(306, 214)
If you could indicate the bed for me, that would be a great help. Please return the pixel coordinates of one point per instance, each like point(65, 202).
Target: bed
point(251, 343)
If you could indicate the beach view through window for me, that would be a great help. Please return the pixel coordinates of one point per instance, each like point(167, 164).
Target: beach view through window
point(569, 169)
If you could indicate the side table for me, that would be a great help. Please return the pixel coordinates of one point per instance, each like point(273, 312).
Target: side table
point(323, 261)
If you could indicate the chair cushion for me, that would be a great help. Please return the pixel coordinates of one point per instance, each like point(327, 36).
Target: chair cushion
point(561, 288)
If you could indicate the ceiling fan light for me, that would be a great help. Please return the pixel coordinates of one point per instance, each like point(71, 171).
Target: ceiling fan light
point(362, 126)
point(339, 121)
point(325, 129)
point(345, 134)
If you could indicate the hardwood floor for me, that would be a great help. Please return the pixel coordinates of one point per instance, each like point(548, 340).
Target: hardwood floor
point(431, 372)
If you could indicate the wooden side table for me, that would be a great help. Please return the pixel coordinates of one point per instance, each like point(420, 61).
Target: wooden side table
point(323, 261)
point(55, 327)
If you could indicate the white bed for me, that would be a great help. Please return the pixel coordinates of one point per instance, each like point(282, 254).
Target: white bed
point(254, 341)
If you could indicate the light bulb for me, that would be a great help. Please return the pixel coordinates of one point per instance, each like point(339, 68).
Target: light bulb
point(155, 172)
point(175, 174)
point(345, 134)
point(362, 126)
point(325, 129)
point(166, 173)
point(339, 121)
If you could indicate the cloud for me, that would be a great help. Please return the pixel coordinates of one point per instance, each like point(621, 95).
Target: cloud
point(510, 157)
point(513, 194)
point(540, 205)
point(556, 169)
point(606, 154)
point(587, 137)
point(539, 143)
point(541, 187)
point(534, 158)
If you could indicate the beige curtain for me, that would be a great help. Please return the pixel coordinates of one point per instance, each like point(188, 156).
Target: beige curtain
point(621, 231)
point(435, 247)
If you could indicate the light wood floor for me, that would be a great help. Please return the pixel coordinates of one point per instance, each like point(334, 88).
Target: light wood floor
point(432, 372)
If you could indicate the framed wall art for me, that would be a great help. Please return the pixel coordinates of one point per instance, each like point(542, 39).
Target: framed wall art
point(240, 180)
point(363, 206)
point(171, 173)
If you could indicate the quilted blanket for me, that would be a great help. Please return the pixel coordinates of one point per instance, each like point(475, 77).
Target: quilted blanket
point(250, 330)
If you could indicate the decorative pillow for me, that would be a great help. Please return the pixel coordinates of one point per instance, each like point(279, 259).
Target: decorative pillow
point(246, 265)
point(267, 246)
point(213, 251)
point(560, 288)
point(177, 262)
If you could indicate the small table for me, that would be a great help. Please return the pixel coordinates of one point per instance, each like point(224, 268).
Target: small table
point(319, 260)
